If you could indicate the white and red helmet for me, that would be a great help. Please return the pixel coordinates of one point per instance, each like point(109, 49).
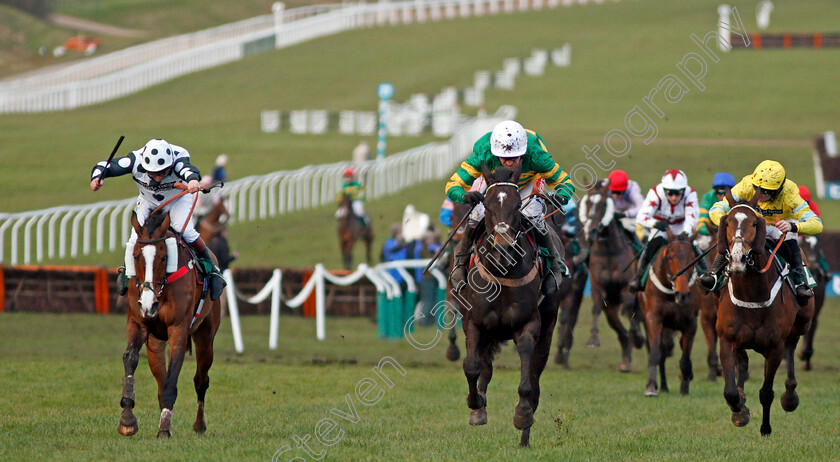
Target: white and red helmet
point(157, 156)
point(508, 139)
point(674, 180)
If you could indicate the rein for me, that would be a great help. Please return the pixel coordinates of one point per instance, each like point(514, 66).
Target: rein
point(772, 254)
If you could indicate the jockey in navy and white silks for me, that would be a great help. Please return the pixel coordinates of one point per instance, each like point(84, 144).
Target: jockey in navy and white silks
point(156, 168)
point(670, 204)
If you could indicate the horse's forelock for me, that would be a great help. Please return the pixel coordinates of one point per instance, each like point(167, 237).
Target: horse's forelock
point(501, 174)
point(155, 221)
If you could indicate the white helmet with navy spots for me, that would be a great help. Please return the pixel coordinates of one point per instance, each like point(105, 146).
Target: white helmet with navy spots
point(157, 156)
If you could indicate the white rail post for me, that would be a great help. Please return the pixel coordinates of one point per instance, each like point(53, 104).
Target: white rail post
point(320, 309)
point(274, 325)
point(233, 311)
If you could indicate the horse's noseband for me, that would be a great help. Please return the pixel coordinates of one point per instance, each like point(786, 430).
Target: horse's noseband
point(151, 286)
point(749, 253)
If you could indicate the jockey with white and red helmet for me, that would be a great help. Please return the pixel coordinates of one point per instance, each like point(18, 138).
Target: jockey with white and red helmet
point(670, 204)
point(156, 168)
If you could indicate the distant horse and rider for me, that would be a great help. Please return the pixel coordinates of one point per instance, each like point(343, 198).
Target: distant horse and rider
point(353, 224)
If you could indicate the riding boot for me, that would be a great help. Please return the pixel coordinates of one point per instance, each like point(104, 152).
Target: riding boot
point(215, 279)
point(644, 260)
point(122, 281)
point(708, 281)
point(797, 270)
point(461, 252)
point(557, 268)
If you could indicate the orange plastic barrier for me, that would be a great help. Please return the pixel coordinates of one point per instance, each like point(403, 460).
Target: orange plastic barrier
point(102, 297)
point(2, 289)
point(309, 304)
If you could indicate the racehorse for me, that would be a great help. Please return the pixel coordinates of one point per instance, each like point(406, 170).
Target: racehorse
point(213, 223)
point(708, 317)
point(757, 310)
point(165, 309)
point(501, 301)
point(611, 266)
point(811, 251)
point(350, 230)
point(670, 306)
point(571, 290)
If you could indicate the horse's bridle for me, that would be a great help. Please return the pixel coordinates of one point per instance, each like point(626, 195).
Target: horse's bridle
point(504, 226)
point(151, 284)
point(749, 253)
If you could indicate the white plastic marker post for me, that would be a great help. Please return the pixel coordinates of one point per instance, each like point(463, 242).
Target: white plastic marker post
point(274, 325)
point(725, 41)
point(385, 91)
point(233, 311)
point(762, 13)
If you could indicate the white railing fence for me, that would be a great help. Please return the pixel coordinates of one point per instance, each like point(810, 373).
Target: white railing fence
point(133, 69)
point(68, 231)
point(394, 308)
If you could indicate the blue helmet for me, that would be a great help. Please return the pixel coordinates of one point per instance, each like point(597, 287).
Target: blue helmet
point(723, 179)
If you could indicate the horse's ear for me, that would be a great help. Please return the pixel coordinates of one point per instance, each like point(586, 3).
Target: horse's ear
point(758, 197)
point(135, 223)
point(164, 226)
point(517, 171)
point(760, 234)
point(486, 173)
point(669, 233)
point(731, 200)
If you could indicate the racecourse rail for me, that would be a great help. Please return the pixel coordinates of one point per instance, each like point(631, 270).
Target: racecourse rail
point(394, 307)
point(128, 71)
point(57, 232)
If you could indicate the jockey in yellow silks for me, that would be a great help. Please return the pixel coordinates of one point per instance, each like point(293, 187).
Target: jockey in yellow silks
point(785, 212)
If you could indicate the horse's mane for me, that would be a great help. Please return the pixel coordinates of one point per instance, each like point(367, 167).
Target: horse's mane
point(155, 220)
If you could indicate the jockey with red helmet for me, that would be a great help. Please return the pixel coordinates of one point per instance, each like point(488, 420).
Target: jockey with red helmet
point(356, 191)
point(156, 168)
point(670, 204)
point(626, 194)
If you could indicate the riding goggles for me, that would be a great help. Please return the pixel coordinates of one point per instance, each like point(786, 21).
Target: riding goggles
point(673, 192)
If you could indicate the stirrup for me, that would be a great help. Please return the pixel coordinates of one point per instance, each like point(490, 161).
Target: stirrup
point(549, 283)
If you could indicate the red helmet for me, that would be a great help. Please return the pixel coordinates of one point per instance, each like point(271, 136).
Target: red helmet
point(350, 172)
point(618, 180)
point(804, 193)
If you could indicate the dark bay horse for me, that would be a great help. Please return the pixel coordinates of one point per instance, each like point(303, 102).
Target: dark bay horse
point(502, 301)
point(708, 317)
point(350, 230)
point(212, 224)
point(571, 290)
point(163, 309)
point(811, 251)
point(611, 266)
point(670, 306)
point(757, 310)
point(459, 211)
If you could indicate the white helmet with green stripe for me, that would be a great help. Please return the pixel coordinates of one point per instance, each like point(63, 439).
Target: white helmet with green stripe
point(508, 139)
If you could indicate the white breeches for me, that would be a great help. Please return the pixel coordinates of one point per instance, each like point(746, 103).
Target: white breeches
point(774, 233)
point(359, 208)
point(178, 210)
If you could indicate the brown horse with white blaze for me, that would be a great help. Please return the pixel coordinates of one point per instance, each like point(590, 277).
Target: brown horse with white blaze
point(166, 308)
point(757, 310)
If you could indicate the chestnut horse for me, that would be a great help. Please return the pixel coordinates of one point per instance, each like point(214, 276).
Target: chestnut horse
point(757, 310)
point(350, 230)
point(212, 223)
point(501, 301)
point(611, 266)
point(670, 306)
point(811, 251)
point(162, 309)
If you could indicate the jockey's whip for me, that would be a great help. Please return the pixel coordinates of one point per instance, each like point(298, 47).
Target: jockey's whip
point(110, 158)
point(693, 262)
point(442, 247)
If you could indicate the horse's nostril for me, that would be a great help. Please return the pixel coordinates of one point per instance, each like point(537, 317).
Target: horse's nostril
point(154, 309)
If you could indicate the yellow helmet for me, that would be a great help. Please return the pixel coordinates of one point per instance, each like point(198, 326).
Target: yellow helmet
point(768, 175)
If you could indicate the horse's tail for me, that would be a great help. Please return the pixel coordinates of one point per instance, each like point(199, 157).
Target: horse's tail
point(189, 344)
point(493, 347)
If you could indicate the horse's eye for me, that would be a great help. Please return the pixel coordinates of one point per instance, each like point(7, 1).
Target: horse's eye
point(755, 224)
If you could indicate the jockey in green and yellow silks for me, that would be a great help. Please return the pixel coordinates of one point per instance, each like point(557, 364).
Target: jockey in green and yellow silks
point(351, 187)
point(512, 146)
point(785, 212)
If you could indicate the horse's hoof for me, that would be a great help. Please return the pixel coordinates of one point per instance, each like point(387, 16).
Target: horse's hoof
point(164, 435)
point(790, 401)
point(478, 417)
point(684, 389)
point(766, 430)
point(200, 428)
point(651, 391)
point(806, 366)
point(638, 340)
point(664, 388)
point(593, 342)
point(525, 439)
point(562, 358)
point(712, 375)
point(523, 418)
point(453, 353)
point(741, 419)
point(624, 367)
point(127, 430)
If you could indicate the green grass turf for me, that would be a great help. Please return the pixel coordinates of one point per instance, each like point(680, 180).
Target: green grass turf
point(620, 52)
point(60, 376)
